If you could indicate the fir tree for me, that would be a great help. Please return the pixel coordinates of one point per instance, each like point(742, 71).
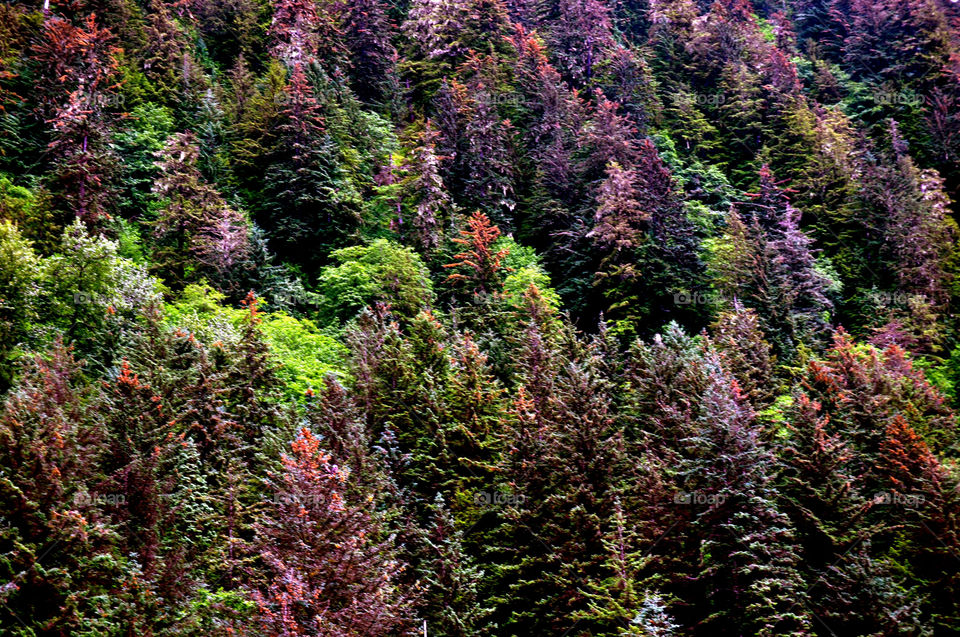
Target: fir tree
point(331, 572)
point(79, 66)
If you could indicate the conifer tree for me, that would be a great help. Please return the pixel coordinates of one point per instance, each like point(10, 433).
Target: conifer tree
point(737, 338)
point(60, 554)
point(78, 66)
point(480, 259)
point(556, 113)
point(366, 36)
point(451, 579)
point(432, 201)
point(619, 218)
point(570, 481)
point(771, 267)
point(309, 201)
point(619, 605)
point(330, 571)
point(579, 37)
point(195, 223)
point(919, 233)
point(303, 32)
point(139, 446)
point(650, 245)
point(169, 64)
point(861, 389)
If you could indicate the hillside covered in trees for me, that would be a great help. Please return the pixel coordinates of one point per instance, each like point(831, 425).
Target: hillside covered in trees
point(479, 317)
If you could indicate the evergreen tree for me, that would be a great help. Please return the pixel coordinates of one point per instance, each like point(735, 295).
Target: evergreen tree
point(366, 35)
point(769, 265)
point(195, 223)
point(60, 551)
point(309, 202)
point(330, 572)
point(78, 65)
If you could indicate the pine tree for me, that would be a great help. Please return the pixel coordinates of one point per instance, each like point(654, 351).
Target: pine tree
point(826, 499)
point(619, 221)
point(451, 579)
point(443, 31)
point(432, 201)
point(476, 143)
point(618, 604)
point(608, 137)
point(139, 448)
point(173, 72)
point(60, 552)
point(926, 493)
point(768, 264)
point(303, 32)
point(737, 338)
point(556, 114)
point(465, 452)
point(656, 254)
point(251, 387)
point(919, 232)
point(861, 389)
point(480, 260)
point(689, 415)
point(579, 37)
point(564, 463)
point(895, 40)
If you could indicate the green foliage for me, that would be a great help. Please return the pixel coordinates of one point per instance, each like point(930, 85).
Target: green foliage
point(379, 272)
point(305, 354)
point(20, 277)
point(90, 293)
point(140, 140)
point(524, 269)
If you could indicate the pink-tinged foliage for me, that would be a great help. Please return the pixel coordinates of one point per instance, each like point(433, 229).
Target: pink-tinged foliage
point(921, 232)
point(619, 220)
point(195, 222)
point(558, 112)
point(432, 198)
point(580, 38)
point(769, 264)
point(80, 74)
point(608, 137)
point(303, 32)
point(330, 571)
point(224, 244)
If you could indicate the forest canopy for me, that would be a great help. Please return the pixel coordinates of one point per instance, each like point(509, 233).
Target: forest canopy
point(479, 317)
